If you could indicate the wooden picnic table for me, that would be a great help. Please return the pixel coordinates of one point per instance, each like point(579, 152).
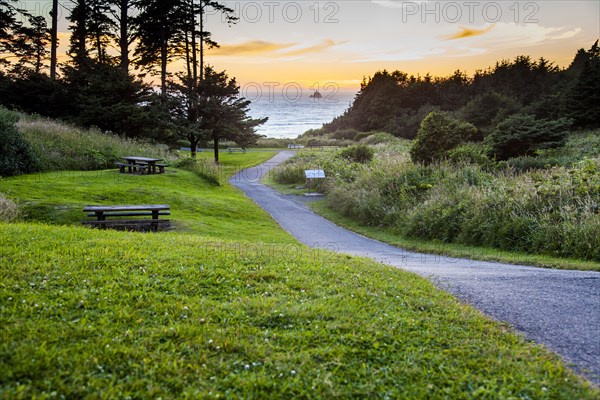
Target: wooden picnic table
point(103, 212)
point(134, 163)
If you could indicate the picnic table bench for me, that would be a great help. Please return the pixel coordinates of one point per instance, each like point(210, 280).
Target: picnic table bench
point(103, 212)
point(236, 149)
point(131, 168)
point(141, 165)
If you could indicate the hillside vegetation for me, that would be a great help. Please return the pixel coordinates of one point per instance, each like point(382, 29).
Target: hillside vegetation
point(470, 199)
point(397, 103)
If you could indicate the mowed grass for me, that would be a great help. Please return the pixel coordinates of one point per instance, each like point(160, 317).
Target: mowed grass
point(105, 314)
point(196, 206)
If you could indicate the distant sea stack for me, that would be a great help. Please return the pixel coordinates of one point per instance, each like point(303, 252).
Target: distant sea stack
point(316, 95)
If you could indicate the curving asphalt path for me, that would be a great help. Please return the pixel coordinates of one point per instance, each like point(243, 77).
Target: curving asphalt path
point(557, 308)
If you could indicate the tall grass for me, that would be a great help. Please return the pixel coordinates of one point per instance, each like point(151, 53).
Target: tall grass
point(553, 211)
point(65, 147)
point(9, 210)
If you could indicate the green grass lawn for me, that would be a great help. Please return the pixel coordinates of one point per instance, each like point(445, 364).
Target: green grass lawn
point(106, 314)
point(228, 305)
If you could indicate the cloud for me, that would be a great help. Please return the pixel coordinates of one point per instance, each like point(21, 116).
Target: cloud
point(514, 35)
point(468, 32)
point(254, 47)
point(271, 49)
point(311, 49)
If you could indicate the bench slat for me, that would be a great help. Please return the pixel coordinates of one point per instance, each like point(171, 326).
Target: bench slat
point(129, 214)
point(128, 222)
point(149, 207)
point(140, 166)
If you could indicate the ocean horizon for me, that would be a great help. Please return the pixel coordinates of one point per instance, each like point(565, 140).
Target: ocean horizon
point(292, 115)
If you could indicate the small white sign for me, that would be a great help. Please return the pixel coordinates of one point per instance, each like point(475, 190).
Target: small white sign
point(314, 174)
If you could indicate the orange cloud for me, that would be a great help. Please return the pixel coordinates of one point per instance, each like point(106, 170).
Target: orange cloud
point(312, 49)
point(262, 48)
point(255, 47)
point(469, 32)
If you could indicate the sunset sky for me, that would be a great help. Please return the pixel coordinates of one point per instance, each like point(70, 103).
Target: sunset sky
point(312, 42)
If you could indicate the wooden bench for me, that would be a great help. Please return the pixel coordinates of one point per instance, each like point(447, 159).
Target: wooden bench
point(131, 167)
point(236, 150)
point(103, 212)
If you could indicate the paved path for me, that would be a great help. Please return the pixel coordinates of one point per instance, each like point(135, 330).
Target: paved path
point(560, 309)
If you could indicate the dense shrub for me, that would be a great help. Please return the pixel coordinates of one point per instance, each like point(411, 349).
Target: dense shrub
point(521, 135)
point(578, 146)
point(553, 211)
point(271, 143)
point(16, 155)
point(472, 153)
point(359, 153)
point(379, 138)
point(438, 134)
point(8, 210)
point(487, 110)
point(349, 134)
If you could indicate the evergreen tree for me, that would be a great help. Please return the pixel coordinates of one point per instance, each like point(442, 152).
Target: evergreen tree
point(174, 29)
point(78, 49)
point(105, 96)
point(91, 32)
point(126, 35)
point(100, 28)
point(54, 40)
point(439, 133)
point(221, 114)
point(522, 134)
point(30, 44)
point(8, 26)
point(157, 26)
point(584, 99)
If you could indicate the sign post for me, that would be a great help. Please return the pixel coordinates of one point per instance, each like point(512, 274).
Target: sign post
point(313, 174)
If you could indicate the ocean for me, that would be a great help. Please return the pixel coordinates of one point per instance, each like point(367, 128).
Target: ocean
point(290, 117)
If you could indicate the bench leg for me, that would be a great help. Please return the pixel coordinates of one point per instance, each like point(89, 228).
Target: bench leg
point(161, 169)
point(121, 169)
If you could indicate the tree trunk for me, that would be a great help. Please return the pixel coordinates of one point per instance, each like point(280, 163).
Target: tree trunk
point(124, 39)
point(216, 149)
point(201, 41)
point(163, 63)
point(188, 62)
point(194, 50)
point(38, 58)
point(54, 39)
point(98, 35)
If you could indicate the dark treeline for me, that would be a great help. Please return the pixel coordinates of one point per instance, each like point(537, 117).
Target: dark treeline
point(103, 88)
point(397, 103)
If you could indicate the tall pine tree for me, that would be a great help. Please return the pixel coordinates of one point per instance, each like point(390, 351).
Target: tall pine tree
point(584, 99)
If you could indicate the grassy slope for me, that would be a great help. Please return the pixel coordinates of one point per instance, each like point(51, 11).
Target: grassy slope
point(111, 314)
point(212, 310)
point(196, 206)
